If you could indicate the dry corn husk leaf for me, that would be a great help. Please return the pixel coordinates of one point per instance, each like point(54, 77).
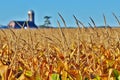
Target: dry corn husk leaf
point(3, 72)
point(60, 66)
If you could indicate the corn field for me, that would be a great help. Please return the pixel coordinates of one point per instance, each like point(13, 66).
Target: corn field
point(60, 54)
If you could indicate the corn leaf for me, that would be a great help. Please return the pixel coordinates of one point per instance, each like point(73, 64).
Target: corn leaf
point(55, 77)
point(116, 74)
point(28, 73)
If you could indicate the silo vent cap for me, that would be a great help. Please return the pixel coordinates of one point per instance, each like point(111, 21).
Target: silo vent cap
point(30, 12)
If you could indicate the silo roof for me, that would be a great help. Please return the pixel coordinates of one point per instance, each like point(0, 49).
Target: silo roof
point(30, 12)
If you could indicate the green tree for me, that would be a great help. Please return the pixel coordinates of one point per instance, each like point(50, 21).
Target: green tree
point(47, 21)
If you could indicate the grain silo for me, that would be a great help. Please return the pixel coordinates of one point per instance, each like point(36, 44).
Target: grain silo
point(31, 15)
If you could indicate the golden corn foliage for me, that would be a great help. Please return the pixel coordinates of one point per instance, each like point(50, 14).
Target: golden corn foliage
point(60, 54)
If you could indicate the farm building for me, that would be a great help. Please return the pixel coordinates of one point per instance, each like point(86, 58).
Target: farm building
point(24, 24)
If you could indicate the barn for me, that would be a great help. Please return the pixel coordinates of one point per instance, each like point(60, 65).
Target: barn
point(30, 23)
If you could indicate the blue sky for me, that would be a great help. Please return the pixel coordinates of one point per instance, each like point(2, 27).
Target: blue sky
point(82, 9)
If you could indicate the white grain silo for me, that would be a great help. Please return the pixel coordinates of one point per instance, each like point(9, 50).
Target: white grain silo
point(31, 15)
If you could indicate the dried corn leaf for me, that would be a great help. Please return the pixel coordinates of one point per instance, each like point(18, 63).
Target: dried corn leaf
point(3, 70)
point(64, 75)
point(60, 66)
